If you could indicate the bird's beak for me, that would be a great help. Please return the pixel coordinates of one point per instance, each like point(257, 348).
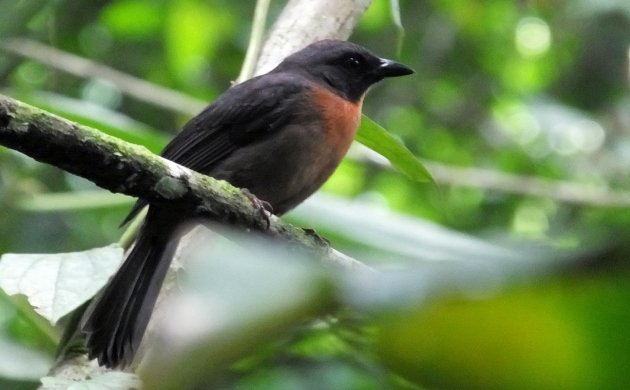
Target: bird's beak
point(391, 68)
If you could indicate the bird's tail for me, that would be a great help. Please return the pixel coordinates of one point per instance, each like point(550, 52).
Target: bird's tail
point(117, 318)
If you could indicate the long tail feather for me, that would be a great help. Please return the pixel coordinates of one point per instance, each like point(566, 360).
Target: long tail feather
point(117, 319)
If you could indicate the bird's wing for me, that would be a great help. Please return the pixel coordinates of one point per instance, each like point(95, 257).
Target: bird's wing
point(243, 114)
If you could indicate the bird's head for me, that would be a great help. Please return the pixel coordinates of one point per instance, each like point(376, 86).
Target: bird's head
point(345, 67)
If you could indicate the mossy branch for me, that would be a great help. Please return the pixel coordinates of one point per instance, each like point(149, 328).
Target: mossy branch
point(130, 169)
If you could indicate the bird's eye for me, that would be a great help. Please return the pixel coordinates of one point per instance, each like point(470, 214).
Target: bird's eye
point(353, 62)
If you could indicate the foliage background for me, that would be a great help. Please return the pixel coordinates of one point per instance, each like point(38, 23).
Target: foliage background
point(534, 89)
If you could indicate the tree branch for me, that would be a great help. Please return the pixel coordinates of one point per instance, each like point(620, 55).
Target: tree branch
point(302, 22)
point(131, 169)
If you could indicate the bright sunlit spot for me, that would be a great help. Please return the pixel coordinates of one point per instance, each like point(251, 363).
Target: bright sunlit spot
point(518, 123)
point(581, 136)
point(530, 220)
point(102, 92)
point(532, 36)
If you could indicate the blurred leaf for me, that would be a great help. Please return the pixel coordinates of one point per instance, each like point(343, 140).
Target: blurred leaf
point(560, 334)
point(18, 362)
point(326, 375)
point(15, 15)
point(375, 137)
point(56, 284)
point(28, 327)
point(193, 33)
point(121, 18)
point(18, 384)
point(375, 17)
point(397, 235)
point(241, 291)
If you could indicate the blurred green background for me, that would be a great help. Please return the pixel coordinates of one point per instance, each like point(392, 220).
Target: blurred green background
point(521, 110)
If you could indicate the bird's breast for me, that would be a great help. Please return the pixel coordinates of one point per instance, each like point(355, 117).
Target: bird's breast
point(290, 164)
point(341, 119)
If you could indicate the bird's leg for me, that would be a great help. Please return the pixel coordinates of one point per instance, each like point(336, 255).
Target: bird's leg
point(264, 208)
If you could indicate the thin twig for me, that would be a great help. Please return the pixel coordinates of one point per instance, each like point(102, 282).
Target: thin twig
point(255, 40)
point(79, 66)
point(492, 180)
point(563, 191)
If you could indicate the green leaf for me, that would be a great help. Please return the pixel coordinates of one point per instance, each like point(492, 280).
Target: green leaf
point(397, 236)
point(55, 284)
point(375, 137)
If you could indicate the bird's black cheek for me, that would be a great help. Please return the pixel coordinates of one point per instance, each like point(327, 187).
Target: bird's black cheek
point(330, 80)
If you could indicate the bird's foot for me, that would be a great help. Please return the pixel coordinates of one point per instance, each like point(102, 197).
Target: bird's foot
point(264, 208)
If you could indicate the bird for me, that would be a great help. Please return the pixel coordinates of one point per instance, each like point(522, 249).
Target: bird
point(279, 136)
